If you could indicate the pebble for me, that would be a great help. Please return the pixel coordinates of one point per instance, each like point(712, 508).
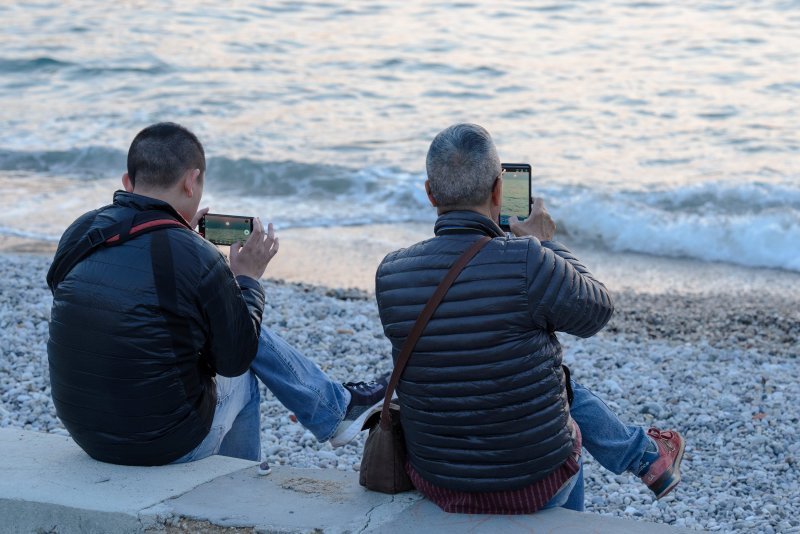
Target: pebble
point(720, 368)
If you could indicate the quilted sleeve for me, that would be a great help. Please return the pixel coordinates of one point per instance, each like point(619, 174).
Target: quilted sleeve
point(563, 295)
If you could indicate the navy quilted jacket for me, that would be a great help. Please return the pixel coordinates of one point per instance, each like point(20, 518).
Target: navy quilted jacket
point(132, 367)
point(483, 400)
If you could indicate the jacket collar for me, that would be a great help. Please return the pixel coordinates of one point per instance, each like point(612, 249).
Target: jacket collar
point(466, 222)
point(143, 203)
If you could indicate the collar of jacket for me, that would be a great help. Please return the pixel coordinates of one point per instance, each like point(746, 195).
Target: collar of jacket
point(466, 222)
point(143, 203)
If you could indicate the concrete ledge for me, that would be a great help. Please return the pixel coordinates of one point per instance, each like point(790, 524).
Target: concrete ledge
point(50, 485)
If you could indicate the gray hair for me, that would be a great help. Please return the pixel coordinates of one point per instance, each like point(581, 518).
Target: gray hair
point(462, 165)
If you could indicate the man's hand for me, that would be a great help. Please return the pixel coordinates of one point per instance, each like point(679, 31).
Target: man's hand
point(252, 258)
point(539, 225)
point(197, 216)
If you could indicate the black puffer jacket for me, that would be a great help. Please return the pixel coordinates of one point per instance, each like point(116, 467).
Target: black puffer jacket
point(131, 367)
point(482, 398)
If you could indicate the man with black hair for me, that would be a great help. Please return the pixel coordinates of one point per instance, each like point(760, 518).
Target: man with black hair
point(156, 340)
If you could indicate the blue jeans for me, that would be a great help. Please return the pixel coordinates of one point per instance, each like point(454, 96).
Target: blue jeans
point(570, 495)
point(318, 402)
point(616, 446)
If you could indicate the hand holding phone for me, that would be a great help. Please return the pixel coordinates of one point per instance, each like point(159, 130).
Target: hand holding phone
point(539, 225)
point(252, 258)
point(516, 200)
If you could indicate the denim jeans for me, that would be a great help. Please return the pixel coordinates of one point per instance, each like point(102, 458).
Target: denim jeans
point(616, 446)
point(570, 495)
point(298, 383)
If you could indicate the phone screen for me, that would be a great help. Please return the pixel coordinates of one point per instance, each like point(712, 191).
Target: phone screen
point(225, 229)
point(516, 192)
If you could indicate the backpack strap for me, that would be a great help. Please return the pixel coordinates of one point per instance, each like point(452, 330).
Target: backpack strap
point(115, 234)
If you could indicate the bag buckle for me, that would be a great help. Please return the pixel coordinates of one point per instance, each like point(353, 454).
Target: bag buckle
point(95, 237)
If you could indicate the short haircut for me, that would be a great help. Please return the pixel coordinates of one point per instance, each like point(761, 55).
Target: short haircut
point(161, 153)
point(462, 165)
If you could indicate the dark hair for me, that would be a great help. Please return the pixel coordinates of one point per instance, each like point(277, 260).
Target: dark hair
point(161, 153)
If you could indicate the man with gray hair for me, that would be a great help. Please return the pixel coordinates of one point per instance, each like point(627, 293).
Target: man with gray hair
point(485, 403)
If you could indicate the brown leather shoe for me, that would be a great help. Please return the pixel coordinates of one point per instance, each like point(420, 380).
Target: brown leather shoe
point(664, 474)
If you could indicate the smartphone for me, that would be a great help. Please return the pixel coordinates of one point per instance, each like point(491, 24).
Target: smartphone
point(516, 193)
point(225, 229)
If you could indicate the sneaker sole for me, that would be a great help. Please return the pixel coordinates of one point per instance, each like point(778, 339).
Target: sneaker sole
point(670, 479)
point(351, 431)
point(264, 469)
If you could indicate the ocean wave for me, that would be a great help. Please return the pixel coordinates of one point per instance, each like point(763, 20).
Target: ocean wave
point(755, 223)
point(240, 176)
point(139, 66)
point(29, 65)
point(231, 176)
point(722, 198)
point(282, 178)
point(86, 162)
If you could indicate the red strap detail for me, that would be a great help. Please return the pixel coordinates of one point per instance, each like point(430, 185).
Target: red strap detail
point(159, 222)
point(143, 226)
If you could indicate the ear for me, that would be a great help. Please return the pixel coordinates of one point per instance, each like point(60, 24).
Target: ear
point(190, 179)
point(497, 192)
point(430, 195)
point(127, 183)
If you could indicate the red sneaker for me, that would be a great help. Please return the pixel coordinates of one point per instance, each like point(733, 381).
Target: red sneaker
point(664, 474)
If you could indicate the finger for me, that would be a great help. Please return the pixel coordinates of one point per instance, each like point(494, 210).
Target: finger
point(258, 232)
point(234, 252)
point(271, 242)
point(267, 239)
point(538, 205)
point(513, 221)
point(197, 216)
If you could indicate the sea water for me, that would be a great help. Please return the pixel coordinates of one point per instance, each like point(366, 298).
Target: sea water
point(669, 128)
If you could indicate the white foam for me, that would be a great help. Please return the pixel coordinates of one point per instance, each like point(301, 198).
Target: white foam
point(675, 224)
point(745, 223)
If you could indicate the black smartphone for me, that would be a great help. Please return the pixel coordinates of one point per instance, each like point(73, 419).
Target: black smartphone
point(516, 193)
point(225, 229)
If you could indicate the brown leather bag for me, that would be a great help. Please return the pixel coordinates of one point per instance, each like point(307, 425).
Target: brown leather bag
point(383, 465)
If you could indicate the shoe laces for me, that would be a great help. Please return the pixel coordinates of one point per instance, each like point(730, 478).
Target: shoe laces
point(360, 386)
point(366, 387)
point(664, 436)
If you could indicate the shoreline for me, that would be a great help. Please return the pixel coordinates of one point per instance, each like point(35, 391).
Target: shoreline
point(346, 257)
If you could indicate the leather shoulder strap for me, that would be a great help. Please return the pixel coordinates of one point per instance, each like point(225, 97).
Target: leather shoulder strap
point(422, 322)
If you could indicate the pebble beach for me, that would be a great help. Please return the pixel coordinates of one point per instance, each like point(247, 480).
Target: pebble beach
point(719, 367)
point(663, 136)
